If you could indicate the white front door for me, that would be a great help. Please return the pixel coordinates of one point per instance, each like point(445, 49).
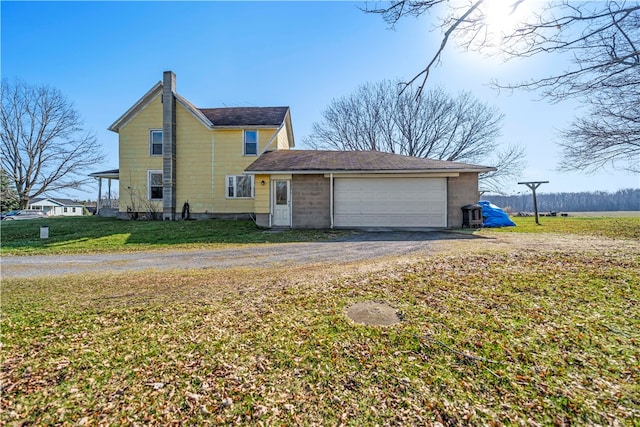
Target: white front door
point(281, 203)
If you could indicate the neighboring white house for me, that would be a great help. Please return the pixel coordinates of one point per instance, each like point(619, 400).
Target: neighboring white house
point(57, 207)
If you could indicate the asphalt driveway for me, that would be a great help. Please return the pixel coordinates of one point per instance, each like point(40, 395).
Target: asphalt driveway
point(362, 246)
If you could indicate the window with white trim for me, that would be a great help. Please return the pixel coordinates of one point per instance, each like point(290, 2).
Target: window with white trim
point(250, 142)
point(239, 186)
point(154, 184)
point(155, 142)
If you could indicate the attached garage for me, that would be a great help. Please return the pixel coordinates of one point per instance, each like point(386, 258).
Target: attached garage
point(390, 202)
point(351, 189)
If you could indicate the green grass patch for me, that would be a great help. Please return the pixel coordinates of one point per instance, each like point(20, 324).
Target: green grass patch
point(517, 338)
point(96, 234)
point(617, 228)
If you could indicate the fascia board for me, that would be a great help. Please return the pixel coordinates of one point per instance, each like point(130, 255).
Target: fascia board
point(287, 120)
point(246, 127)
point(132, 112)
point(105, 175)
point(47, 202)
point(194, 111)
point(451, 172)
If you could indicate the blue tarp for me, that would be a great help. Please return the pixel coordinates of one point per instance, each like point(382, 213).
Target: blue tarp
point(494, 216)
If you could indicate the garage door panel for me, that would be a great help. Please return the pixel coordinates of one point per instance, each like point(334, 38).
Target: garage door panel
point(370, 220)
point(390, 202)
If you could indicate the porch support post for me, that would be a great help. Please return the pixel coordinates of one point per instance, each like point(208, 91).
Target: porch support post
point(99, 196)
point(109, 192)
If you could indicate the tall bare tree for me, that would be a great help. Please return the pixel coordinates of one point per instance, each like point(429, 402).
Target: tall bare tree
point(598, 40)
point(608, 135)
point(44, 145)
point(436, 125)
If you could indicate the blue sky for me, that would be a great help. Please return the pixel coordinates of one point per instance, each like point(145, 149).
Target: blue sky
point(105, 55)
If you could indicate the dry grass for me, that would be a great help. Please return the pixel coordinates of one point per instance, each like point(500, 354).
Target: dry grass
point(510, 330)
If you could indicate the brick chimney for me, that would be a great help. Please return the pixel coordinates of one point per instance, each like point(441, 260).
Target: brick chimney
point(168, 146)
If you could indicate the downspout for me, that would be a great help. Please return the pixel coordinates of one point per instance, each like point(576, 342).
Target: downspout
point(266, 147)
point(331, 198)
point(270, 202)
point(446, 205)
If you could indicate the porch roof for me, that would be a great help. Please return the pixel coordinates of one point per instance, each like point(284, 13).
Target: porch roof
point(109, 174)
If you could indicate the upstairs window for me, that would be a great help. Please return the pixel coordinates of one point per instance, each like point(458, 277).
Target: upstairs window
point(239, 186)
point(155, 142)
point(155, 185)
point(250, 142)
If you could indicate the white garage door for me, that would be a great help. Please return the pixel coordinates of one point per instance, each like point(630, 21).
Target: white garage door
point(390, 202)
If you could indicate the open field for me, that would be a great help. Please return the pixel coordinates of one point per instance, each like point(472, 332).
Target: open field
point(610, 214)
point(611, 227)
point(530, 328)
point(602, 214)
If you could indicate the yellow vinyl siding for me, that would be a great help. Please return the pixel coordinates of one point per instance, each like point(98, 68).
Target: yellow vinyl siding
point(204, 158)
point(229, 160)
point(262, 193)
point(193, 163)
point(135, 159)
point(283, 139)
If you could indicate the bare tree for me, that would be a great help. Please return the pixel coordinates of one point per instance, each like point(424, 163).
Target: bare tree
point(599, 42)
point(44, 146)
point(435, 125)
point(608, 135)
point(509, 163)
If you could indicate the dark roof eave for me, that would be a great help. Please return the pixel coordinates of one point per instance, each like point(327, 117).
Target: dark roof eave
point(245, 126)
point(365, 171)
point(112, 173)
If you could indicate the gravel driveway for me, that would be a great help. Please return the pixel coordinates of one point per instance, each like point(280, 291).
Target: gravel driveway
point(365, 245)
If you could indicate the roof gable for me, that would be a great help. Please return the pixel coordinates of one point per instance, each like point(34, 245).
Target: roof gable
point(132, 112)
point(353, 161)
point(209, 117)
point(55, 201)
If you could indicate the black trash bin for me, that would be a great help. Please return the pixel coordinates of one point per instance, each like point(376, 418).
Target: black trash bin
point(471, 216)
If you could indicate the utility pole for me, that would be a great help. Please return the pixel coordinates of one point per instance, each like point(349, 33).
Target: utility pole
point(533, 185)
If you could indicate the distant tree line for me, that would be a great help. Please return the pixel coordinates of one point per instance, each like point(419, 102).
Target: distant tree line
point(594, 201)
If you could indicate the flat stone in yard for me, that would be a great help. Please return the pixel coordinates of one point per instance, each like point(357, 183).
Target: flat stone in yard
point(373, 313)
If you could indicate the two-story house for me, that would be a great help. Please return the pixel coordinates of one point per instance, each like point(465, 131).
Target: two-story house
point(240, 163)
point(172, 153)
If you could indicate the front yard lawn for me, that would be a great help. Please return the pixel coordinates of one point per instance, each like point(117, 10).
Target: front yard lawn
point(96, 234)
point(489, 337)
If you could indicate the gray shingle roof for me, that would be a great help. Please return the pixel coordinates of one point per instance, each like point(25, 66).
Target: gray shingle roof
point(356, 161)
point(210, 117)
point(246, 116)
point(63, 202)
